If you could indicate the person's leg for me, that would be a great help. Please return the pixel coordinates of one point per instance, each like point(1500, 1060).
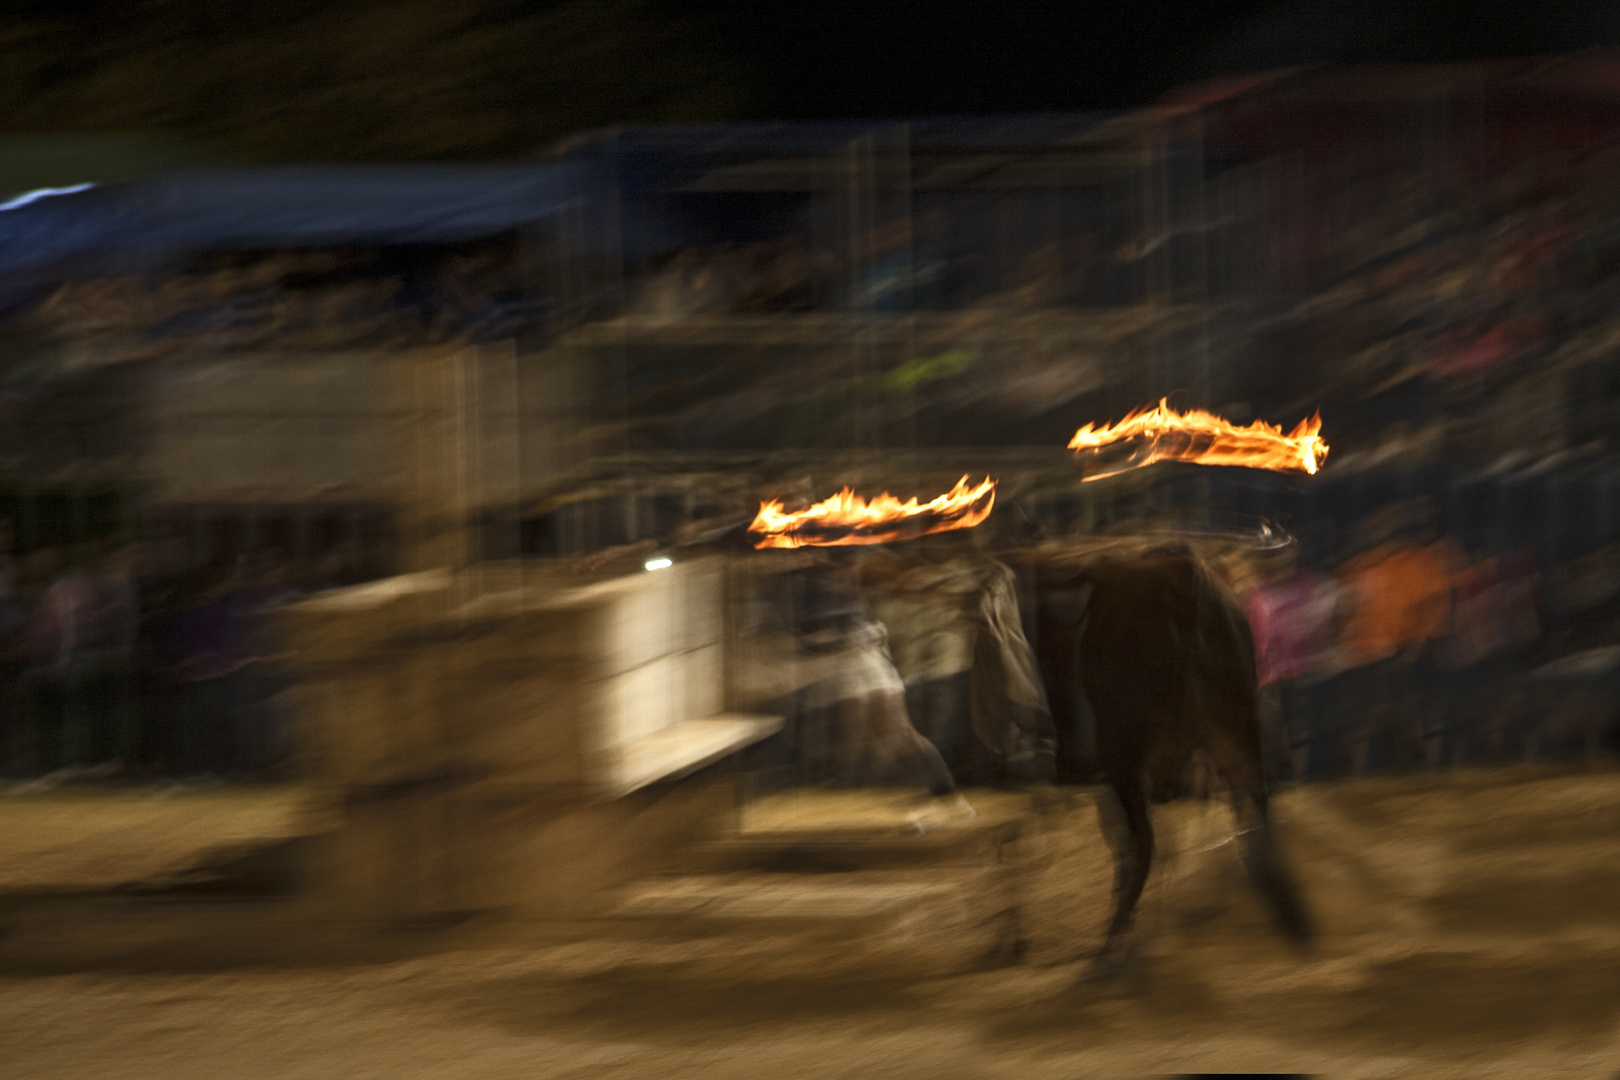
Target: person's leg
point(897, 746)
point(850, 746)
point(1471, 693)
point(122, 708)
point(1333, 723)
point(1402, 728)
point(939, 711)
point(1378, 717)
point(1298, 699)
point(246, 729)
point(13, 721)
point(103, 723)
point(54, 738)
point(1371, 716)
point(169, 728)
point(33, 718)
point(968, 757)
point(818, 734)
point(75, 731)
point(271, 703)
point(208, 749)
point(923, 706)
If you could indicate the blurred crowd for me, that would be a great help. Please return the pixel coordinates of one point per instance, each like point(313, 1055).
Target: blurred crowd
point(302, 300)
point(929, 260)
point(1465, 321)
point(1415, 653)
point(128, 661)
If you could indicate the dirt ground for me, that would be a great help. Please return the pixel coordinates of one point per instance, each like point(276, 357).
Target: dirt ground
point(1470, 929)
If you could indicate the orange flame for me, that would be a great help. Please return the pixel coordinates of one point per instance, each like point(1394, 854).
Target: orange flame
point(1205, 439)
point(846, 518)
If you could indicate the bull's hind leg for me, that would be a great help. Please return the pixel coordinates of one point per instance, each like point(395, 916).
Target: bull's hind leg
point(1234, 740)
point(1267, 870)
point(1123, 813)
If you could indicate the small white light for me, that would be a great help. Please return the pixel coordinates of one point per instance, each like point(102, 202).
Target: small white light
point(659, 564)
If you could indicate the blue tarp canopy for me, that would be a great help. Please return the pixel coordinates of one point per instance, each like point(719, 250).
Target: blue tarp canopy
point(289, 207)
point(130, 222)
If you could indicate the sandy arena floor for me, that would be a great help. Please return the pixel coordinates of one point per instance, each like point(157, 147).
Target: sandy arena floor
point(1472, 929)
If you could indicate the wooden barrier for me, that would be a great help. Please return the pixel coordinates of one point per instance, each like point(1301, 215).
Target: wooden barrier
point(508, 742)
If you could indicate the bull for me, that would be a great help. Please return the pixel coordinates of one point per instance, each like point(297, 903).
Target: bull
point(1147, 660)
point(1150, 637)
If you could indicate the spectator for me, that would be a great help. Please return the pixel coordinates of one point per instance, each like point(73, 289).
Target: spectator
point(166, 589)
point(13, 655)
point(210, 647)
point(111, 631)
point(1394, 601)
point(264, 726)
point(59, 632)
point(1402, 599)
point(1291, 613)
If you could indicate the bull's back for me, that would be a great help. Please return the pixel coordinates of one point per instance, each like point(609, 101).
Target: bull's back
point(1166, 660)
point(1157, 645)
point(1134, 656)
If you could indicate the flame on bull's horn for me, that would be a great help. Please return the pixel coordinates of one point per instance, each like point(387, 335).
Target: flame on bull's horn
point(847, 518)
point(1205, 439)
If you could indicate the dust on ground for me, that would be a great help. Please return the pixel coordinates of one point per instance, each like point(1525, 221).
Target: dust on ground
point(1470, 929)
point(66, 839)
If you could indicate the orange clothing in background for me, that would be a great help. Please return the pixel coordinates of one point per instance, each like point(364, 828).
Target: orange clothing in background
point(1402, 598)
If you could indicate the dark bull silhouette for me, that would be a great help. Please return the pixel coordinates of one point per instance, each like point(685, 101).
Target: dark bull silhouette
point(1146, 634)
point(1154, 641)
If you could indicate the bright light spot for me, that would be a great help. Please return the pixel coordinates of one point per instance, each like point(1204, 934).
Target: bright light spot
point(34, 196)
point(659, 564)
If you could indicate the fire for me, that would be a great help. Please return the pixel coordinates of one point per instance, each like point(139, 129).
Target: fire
point(846, 518)
point(1205, 439)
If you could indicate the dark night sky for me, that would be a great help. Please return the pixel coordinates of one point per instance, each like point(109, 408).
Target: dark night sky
point(362, 79)
point(808, 58)
point(848, 58)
